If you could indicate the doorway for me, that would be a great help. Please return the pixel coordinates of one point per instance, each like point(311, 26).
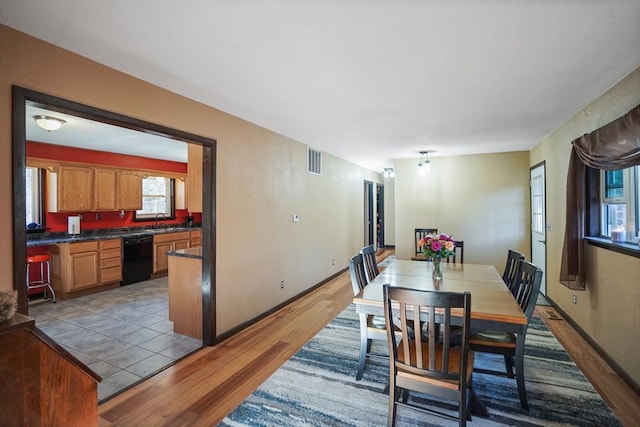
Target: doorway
point(539, 221)
point(369, 235)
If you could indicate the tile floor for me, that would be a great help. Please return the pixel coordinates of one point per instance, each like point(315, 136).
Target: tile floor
point(123, 334)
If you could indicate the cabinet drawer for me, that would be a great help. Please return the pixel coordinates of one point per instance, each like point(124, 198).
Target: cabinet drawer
point(113, 274)
point(110, 244)
point(110, 262)
point(75, 248)
point(110, 253)
point(195, 242)
point(169, 237)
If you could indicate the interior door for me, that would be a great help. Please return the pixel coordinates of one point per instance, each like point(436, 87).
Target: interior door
point(368, 213)
point(539, 222)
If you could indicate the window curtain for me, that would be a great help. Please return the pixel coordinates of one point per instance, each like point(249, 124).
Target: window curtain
point(612, 147)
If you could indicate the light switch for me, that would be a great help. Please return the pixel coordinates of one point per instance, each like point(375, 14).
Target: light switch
point(296, 217)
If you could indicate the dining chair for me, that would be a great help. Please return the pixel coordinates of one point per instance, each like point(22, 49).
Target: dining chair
point(458, 252)
point(419, 234)
point(527, 283)
point(370, 262)
point(431, 366)
point(371, 327)
point(511, 269)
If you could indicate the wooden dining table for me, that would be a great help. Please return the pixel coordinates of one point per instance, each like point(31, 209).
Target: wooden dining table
point(493, 307)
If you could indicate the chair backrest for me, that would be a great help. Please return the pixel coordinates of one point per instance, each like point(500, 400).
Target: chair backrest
point(527, 286)
point(436, 306)
point(421, 233)
point(358, 276)
point(458, 253)
point(511, 269)
point(370, 262)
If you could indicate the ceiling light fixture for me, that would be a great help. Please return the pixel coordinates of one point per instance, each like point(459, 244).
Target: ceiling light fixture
point(388, 173)
point(48, 123)
point(425, 164)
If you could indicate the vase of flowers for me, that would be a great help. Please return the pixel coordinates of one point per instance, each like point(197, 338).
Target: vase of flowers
point(437, 247)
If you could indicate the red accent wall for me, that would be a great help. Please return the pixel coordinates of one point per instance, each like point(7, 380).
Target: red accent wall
point(110, 219)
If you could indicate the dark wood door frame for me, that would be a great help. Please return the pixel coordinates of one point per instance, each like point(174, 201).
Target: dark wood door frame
point(20, 98)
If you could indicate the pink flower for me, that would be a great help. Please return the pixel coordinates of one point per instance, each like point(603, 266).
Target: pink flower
point(436, 245)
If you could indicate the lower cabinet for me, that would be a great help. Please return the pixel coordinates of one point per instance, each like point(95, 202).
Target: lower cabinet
point(163, 243)
point(76, 268)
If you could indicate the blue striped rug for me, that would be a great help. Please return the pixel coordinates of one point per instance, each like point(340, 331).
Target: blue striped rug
point(317, 387)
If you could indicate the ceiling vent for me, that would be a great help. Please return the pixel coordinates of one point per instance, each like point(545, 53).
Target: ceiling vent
point(314, 161)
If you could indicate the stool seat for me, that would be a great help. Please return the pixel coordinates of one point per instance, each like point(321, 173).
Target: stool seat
point(44, 281)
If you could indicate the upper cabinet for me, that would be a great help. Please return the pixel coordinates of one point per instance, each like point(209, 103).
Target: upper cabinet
point(105, 189)
point(194, 180)
point(71, 189)
point(129, 190)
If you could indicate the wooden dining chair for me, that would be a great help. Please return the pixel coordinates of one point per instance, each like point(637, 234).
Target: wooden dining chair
point(370, 262)
point(458, 253)
point(511, 269)
point(371, 327)
point(527, 283)
point(431, 366)
point(419, 234)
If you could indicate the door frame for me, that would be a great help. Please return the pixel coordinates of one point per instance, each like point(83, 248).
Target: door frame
point(368, 213)
point(20, 98)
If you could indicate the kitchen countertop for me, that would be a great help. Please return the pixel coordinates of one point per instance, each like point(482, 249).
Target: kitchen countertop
point(44, 239)
point(187, 253)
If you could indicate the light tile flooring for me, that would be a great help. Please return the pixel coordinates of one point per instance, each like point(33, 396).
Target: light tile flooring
point(123, 334)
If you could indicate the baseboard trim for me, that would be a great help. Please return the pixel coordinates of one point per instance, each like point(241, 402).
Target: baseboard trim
point(614, 365)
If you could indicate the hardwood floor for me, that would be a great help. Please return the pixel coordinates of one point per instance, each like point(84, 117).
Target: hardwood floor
point(203, 388)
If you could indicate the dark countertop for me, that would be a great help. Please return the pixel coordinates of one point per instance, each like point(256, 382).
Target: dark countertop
point(187, 253)
point(44, 239)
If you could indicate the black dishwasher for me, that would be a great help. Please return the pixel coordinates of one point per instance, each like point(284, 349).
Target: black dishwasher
point(137, 257)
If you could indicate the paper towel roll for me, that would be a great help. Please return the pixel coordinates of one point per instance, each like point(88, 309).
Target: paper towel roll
point(74, 224)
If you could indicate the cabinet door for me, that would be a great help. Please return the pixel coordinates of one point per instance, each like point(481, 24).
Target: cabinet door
point(129, 190)
point(194, 178)
point(180, 244)
point(105, 189)
point(85, 270)
point(160, 258)
point(75, 188)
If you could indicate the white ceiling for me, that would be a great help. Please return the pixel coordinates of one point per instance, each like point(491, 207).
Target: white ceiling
point(366, 80)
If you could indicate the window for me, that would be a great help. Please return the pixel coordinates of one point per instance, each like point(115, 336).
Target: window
point(33, 199)
point(619, 199)
point(157, 198)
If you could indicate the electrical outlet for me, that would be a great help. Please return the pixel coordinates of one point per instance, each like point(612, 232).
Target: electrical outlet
point(98, 216)
point(282, 284)
point(575, 299)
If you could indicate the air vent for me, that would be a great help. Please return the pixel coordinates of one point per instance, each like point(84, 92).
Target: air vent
point(314, 161)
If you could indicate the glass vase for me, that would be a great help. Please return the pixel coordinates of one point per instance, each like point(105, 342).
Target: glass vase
point(436, 271)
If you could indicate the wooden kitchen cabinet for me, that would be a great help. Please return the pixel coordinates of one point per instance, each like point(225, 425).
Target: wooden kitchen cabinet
point(196, 238)
point(162, 243)
point(129, 191)
point(110, 260)
point(71, 189)
point(105, 189)
point(74, 266)
point(194, 178)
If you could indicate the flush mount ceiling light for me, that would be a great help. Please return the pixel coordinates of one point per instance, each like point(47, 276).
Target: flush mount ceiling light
point(425, 164)
point(388, 173)
point(48, 123)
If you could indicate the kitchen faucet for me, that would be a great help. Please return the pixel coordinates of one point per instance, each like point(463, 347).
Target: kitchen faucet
point(157, 215)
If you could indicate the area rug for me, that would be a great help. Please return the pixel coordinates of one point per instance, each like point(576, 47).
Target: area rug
point(317, 387)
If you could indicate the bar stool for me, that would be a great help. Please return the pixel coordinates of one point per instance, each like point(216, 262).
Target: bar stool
point(44, 281)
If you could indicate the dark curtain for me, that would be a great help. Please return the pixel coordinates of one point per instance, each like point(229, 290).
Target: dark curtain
point(612, 147)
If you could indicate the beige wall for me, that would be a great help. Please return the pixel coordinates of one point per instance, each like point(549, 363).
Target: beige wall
point(609, 310)
point(480, 199)
point(261, 180)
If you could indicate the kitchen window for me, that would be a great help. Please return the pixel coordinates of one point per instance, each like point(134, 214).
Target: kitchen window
point(619, 200)
point(33, 198)
point(157, 198)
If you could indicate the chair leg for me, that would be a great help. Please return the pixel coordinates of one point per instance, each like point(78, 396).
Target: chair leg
point(365, 344)
point(391, 419)
point(508, 362)
point(519, 362)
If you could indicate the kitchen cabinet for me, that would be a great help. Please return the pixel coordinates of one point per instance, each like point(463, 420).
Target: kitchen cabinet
point(105, 189)
point(129, 190)
point(194, 178)
point(71, 189)
point(195, 238)
point(74, 266)
point(110, 260)
point(162, 243)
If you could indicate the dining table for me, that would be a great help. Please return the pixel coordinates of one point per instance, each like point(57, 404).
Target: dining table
point(493, 307)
